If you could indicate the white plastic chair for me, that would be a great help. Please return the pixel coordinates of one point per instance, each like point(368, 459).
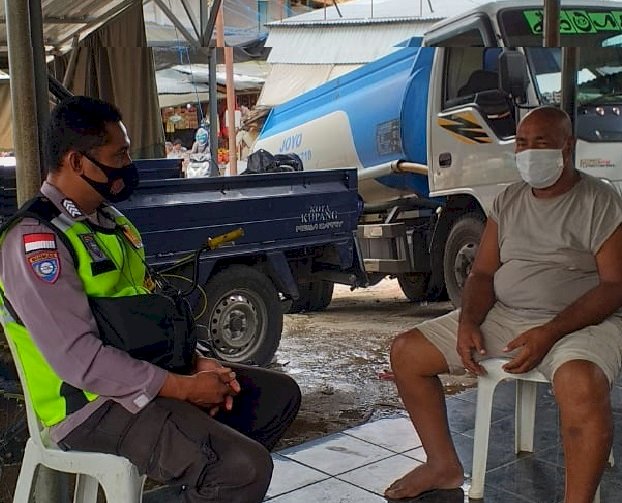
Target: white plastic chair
point(524, 414)
point(118, 477)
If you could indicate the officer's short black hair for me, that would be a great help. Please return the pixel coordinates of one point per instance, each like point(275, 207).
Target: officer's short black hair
point(77, 123)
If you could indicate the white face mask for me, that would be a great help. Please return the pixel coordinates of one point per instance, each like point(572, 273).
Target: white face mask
point(540, 168)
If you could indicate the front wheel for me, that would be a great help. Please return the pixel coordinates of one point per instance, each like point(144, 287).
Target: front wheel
point(460, 250)
point(244, 318)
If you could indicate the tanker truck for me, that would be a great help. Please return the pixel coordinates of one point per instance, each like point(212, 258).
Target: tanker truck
point(430, 129)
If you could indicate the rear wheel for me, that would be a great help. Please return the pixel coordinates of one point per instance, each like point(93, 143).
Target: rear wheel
point(321, 295)
point(244, 319)
point(414, 285)
point(460, 250)
point(314, 296)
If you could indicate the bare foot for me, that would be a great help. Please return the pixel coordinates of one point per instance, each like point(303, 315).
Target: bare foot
point(425, 478)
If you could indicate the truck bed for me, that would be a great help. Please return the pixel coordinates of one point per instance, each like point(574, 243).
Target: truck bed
point(176, 216)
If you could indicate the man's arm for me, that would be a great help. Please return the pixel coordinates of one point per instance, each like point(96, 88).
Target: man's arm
point(57, 315)
point(601, 302)
point(478, 297)
point(591, 308)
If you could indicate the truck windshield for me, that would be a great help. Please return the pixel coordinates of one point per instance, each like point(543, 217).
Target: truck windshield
point(599, 79)
point(599, 89)
point(591, 25)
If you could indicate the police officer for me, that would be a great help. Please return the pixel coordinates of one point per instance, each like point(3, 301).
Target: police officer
point(209, 432)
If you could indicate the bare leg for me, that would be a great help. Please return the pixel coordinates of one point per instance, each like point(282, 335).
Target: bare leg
point(582, 393)
point(416, 363)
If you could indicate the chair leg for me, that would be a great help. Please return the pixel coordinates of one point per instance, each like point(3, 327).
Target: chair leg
point(597, 495)
point(26, 477)
point(485, 393)
point(525, 415)
point(123, 488)
point(86, 489)
point(611, 460)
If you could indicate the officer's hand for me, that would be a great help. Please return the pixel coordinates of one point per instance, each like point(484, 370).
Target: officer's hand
point(470, 340)
point(212, 365)
point(207, 389)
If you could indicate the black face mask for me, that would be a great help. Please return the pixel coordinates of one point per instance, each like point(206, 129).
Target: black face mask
point(129, 175)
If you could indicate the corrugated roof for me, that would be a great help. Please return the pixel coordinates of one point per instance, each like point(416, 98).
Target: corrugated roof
point(63, 19)
point(363, 10)
point(288, 81)
point(344, 44)
point(357, 22)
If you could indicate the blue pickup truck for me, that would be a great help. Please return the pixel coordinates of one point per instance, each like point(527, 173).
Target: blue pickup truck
point(299, 239)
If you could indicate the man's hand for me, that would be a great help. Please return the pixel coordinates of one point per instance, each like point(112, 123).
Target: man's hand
point(212, 389)
point(533, 345)
point(211, 365)
point(470, 339)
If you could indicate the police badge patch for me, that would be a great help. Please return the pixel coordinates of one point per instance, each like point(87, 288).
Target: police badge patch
point(45, 265)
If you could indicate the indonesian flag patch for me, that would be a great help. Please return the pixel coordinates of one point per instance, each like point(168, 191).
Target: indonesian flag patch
point(42, 256)
point(40, 241)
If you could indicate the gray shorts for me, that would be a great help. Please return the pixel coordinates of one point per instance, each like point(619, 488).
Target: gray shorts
point(600, 344)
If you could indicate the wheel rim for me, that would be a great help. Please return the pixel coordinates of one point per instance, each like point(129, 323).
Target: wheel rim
point(464, 262)
point(238, 324)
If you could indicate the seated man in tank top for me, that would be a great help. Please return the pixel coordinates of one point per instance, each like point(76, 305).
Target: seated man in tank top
point(545, 291)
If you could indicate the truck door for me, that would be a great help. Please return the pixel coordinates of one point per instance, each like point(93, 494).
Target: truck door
point(471, 123)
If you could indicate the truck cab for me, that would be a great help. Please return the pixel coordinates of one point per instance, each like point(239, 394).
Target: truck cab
point(473, 108)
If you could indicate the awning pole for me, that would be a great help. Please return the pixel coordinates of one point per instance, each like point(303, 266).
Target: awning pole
point(23, 99)
point(213, 112)
point(551, 23)
point(40, 72)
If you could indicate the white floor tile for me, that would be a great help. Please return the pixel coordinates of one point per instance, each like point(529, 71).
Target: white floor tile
point(329, 491)
point(378, 476)
point(418, 454)
point(289, 475)
point(396, 434)
point(337, 454)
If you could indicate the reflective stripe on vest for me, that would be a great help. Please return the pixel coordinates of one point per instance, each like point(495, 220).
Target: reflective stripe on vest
point(108, 266)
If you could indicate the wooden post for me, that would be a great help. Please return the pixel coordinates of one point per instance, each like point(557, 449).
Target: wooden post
point(220, 42)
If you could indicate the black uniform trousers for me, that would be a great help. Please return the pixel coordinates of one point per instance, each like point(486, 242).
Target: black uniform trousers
point(221, 459)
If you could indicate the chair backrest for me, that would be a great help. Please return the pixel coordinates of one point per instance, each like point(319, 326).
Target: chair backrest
point(34, 425)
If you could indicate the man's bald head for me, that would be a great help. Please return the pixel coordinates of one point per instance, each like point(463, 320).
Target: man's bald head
point(545, 128)
point(550, 117)
point(544, 149)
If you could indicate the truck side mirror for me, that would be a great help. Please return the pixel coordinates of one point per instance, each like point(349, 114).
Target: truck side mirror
point(513, 77)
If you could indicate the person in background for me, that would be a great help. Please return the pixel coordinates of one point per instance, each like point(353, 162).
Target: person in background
point(201, 143)
point(168, 149)
point(178, 151)
point(245, 139)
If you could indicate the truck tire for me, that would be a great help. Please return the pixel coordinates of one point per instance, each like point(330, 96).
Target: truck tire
point(414, 285)
point(244, 318)
point(314, 296)
point(460, 249)
point(301, 304)
point(320, 295)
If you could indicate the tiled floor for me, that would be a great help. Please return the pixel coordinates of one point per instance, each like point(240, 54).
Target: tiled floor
point(358, 464)
point(355, 466)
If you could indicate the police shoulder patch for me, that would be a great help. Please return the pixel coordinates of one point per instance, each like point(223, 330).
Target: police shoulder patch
point(45, 265)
